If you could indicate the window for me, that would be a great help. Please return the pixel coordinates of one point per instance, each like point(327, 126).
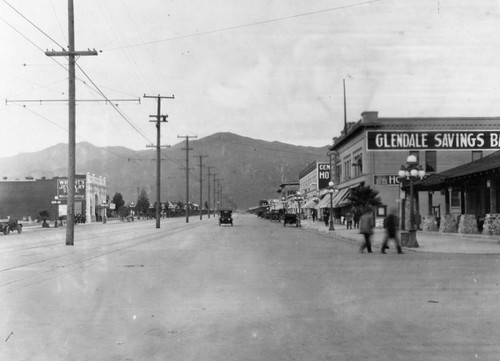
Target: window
point(338, 174)
point(431, 161)
point(455, 198)
point(477, 154)
point(347, 169)
point(358, 165)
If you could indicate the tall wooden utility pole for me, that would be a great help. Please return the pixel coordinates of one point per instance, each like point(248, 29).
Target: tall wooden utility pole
point(208, 201)
point(201, 184)
point(214, 174)
point(71, 54)
point(187, 149)
point(159, 118)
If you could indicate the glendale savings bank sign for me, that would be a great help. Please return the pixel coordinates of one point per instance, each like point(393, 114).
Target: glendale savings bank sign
point(447, 140)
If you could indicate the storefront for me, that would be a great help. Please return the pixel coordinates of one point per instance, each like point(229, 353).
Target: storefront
point(371, 152)
point(25, 199)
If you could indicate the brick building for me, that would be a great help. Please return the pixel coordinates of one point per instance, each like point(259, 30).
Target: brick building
point(25, 199)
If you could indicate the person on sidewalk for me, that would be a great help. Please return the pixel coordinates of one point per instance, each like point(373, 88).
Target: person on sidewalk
point(366, 224)
point(326, 216)
point(391, 226)
point(349, 219)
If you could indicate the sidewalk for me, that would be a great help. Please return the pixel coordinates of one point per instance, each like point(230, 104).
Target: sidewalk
point(428, 241)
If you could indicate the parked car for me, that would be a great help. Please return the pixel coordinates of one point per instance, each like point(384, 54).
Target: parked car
point(10, 226)
point(225, 217)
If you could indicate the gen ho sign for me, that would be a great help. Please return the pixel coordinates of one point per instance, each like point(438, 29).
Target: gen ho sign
point(445, 140)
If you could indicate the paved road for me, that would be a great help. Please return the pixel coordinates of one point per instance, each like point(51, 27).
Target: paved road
point(255, 291)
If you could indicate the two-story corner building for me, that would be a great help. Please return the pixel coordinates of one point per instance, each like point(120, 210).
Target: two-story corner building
point(371, 152)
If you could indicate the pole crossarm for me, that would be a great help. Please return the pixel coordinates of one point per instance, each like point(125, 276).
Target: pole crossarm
point(7, 101)
point(89, 52)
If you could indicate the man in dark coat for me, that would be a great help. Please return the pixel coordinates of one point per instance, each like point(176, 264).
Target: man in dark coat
point(391, 226)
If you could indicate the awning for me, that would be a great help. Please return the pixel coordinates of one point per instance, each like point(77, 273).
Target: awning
point(342, 200)
point(311, 203)
point(340, 196)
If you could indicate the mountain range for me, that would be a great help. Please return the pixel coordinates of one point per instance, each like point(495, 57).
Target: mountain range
point(248, 169)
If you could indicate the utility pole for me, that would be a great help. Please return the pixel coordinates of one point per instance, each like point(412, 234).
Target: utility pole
point(71, 54)
point(214, 174)
point(187, 149)
point(208, 201)
point(201, 184)
point(159, 119)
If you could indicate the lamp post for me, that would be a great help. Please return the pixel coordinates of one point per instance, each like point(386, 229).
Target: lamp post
point(298, 199)
point(330, 190)
point(56, 201)
point(412, 172)
point(105, 215)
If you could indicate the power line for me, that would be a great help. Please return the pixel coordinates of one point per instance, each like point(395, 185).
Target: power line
point(262, 22)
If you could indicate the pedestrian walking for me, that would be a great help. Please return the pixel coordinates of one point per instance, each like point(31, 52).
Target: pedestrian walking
point(313, 212)
point(356, 217)
point(391, 226)
point(366, 224)
point(349, 219)
point(326, 216)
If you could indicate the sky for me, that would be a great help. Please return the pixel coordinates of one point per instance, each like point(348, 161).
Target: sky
point(265, 69)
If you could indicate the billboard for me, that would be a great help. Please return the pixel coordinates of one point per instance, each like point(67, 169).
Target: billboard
point(441, 140)
point(323, 175)
point(80, 188)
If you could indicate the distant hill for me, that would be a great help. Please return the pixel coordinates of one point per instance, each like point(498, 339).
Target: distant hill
point(249, 169)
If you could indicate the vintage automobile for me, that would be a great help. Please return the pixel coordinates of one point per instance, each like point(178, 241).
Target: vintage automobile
point(10, 226)
point(225, 217)
point(291, 218)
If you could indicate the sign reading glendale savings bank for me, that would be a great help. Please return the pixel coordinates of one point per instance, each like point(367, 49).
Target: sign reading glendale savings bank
point(447, 140)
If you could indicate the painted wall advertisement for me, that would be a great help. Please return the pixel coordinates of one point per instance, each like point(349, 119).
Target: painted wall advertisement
point(443, 140)
point(62, 188)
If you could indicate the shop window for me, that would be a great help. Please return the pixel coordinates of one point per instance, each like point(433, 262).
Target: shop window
point(431, 161)
point(477, 154)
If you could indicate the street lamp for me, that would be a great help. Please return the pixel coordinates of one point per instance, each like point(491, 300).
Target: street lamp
point(56, 201)
point(331, 190)
point(105, 215)
point(412, 172)
point(298, 199)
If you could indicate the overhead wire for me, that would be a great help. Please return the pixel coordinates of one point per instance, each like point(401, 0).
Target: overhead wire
point(235, 27)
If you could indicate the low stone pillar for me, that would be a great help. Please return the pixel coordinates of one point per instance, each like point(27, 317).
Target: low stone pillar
point(429, 223)
point(468, 224)
point(448, 224)
point(492, 224)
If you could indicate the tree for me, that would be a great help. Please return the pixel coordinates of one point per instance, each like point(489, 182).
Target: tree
point(363, 198)
point(118, 201)
point(142, 202)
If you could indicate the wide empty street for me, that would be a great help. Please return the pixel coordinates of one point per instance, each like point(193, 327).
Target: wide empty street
point(254, 291)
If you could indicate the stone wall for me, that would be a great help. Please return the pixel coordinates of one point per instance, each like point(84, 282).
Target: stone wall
point(448, 224)
point(429, 223)
point(492, 224)
point(468, 224)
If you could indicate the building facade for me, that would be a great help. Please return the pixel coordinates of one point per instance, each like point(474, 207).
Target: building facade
point(371, 151)
point(25, 199)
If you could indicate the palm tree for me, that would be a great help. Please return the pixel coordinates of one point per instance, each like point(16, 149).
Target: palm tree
point(364, 198)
